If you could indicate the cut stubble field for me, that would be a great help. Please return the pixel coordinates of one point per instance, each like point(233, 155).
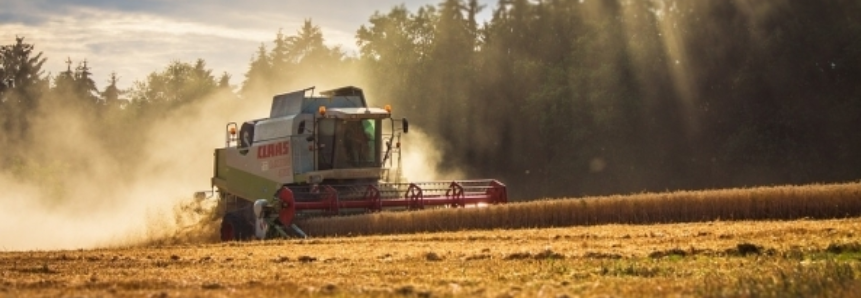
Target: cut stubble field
point(800, 258)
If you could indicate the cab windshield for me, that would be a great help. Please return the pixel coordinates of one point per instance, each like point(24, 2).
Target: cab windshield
point(349, 143)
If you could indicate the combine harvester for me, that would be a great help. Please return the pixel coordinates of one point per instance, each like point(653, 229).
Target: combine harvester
point(328, 155)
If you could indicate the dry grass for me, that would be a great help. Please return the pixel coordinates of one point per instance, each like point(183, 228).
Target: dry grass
point(761, 203)
point(801, 258)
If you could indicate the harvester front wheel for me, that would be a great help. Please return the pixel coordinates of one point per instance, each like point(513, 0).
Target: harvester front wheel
point(235, 228)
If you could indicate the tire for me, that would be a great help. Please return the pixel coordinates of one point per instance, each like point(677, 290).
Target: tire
point(236, 228)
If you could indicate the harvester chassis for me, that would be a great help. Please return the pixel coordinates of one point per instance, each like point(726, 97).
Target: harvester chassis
point(323, 156)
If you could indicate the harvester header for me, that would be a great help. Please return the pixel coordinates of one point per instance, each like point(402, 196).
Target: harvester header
point(323, 155)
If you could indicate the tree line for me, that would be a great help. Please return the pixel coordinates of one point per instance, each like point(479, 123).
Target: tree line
point(553, 97)
point(562, 98)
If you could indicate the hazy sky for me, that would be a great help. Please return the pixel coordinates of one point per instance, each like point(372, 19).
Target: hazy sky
point(135, 38)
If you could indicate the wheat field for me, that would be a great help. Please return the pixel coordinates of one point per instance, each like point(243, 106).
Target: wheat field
point(817, 201)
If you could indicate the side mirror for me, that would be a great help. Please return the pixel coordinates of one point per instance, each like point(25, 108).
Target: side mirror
point(310, 138)
point(405, 125)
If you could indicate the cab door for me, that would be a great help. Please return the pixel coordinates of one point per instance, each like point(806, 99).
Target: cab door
point(325, 144)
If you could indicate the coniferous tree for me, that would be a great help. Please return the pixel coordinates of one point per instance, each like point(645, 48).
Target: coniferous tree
point(111, 94)
point(23, 85)
point(224, 81)
point(85, 87)
point(259, 77)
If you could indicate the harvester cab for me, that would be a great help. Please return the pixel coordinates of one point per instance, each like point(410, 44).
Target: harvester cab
point(322, 155)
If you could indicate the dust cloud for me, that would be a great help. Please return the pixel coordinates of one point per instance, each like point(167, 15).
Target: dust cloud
point(74, 191)
point(74, 195)
point(421, 158)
